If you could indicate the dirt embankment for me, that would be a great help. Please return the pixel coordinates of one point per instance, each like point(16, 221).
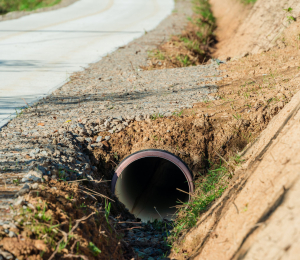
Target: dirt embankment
point(258, 215)
point(244, 30)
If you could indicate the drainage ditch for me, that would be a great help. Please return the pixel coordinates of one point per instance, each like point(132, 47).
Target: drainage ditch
point(154, 164)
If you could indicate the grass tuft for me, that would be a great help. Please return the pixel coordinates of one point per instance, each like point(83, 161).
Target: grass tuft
point(193, 46)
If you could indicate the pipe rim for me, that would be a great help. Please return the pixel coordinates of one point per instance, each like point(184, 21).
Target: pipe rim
point(153, 153)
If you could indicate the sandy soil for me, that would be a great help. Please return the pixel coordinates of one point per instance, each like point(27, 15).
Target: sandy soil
point(257, 217)
point(241, 31)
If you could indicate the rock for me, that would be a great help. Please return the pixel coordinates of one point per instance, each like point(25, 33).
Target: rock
point(12, 234)
point(6, 226)
point(35, 186)
point(88, 140)
point(260, 118)
point(24, 179)
point(18, 202)
point(99, 139)
point(25, 189)
point(107, 137)
point(119, 118)
point(29, 205)
point(148, 251)
point(6, 255)
point(139, 117)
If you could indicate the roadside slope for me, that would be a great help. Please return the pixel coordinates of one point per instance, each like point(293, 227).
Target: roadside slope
point(251, 30)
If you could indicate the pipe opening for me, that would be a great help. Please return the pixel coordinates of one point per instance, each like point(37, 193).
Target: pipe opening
point(150, 179)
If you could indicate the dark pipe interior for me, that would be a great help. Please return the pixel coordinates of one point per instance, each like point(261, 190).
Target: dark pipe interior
point(151, 182)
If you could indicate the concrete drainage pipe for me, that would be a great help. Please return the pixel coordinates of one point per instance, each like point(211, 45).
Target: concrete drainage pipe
point(147, 183)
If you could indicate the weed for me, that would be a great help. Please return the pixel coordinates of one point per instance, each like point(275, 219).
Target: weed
point(288, 10)
point(291, 18)
point(237, 116)
point(16, 182)
point(95, 250)
point(156, 54)
point(62, 175)
point(238, 159)
point(107, 210)
point(247, 2)
point(184, 60)
point(116, 156)
point(42, 214)
point(178, 114)
point(70, 198)
point(156, 116)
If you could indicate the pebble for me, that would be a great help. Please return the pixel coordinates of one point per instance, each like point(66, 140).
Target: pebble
point(99, 138)
point(107, 138)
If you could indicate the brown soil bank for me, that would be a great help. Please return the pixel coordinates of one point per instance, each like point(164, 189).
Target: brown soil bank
point(246, 29)
point(258, 215)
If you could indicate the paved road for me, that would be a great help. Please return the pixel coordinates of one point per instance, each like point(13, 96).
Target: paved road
point(38, 52)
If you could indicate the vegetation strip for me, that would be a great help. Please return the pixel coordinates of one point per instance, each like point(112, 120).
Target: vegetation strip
point(193, 46)
point(7, 6)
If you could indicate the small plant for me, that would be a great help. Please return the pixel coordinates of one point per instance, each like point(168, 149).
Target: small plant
point(178, 114)
point(157, 55)
point(291, 19)
point(95, 250)
point(288, 10)
point(247, 2)
point(70, 197)
point(107, 210)
point(16, 182)
point(62, 175)
point(116, 156)
point(42, 214)
point(156, 116)
point(184, 60)
point(237, 116)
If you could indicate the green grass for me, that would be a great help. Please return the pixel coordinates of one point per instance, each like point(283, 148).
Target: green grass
point(207, 189)
point(247, 2)
point(7, 6)
point(193, 47)
point(95, 250)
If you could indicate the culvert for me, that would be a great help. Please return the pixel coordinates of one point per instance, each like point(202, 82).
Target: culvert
point(150, 183)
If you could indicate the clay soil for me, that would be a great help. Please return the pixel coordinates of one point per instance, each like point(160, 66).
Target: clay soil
point(69, 214)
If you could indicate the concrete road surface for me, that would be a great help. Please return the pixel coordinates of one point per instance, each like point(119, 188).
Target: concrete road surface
point(38, 52)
